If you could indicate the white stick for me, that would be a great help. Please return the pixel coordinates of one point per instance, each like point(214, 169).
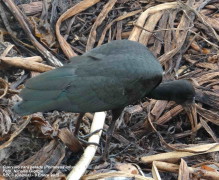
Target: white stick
point(80, 168)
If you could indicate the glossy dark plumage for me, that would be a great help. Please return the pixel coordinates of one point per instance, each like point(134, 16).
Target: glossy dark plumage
point(110, 76)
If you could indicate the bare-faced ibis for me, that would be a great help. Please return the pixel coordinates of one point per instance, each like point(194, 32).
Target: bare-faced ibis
point(108, 77)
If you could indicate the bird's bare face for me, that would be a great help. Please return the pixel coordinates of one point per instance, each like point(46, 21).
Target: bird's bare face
point(185, 93)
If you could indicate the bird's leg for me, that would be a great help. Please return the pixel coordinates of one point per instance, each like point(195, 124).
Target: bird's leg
point(80, 138)
point(78, 123)
point(115, 115)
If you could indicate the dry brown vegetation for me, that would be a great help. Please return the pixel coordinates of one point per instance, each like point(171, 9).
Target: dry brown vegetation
point(153, 139)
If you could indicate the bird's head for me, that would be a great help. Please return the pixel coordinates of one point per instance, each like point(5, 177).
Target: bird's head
point(180, 91)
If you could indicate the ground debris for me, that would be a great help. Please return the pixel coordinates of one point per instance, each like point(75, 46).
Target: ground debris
point(153, 139)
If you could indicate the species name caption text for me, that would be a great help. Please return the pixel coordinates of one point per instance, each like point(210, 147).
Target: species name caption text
point(33, 171)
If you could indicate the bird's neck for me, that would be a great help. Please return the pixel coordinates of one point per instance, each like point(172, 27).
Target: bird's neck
point(161, 92)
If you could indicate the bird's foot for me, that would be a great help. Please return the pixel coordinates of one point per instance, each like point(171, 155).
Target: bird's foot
point(91, 134)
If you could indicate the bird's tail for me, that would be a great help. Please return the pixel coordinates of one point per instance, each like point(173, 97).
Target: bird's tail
point(29, 107)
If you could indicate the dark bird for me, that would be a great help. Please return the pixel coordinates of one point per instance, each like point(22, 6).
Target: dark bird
point(108, 77)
